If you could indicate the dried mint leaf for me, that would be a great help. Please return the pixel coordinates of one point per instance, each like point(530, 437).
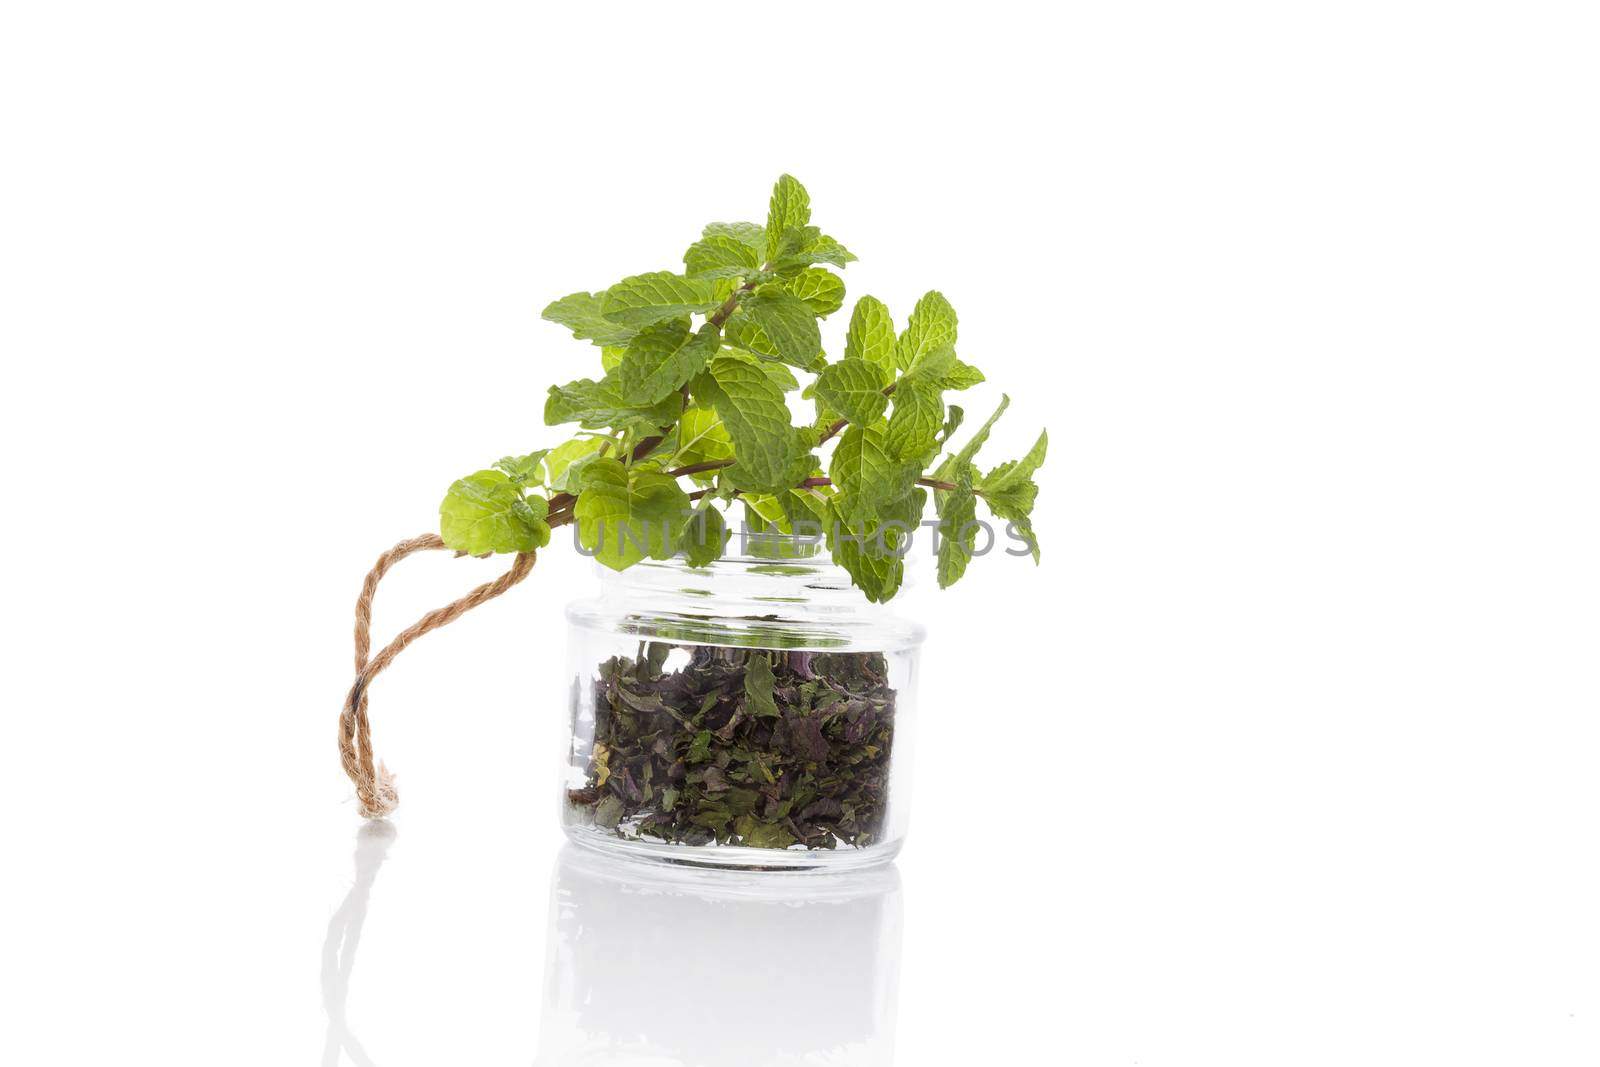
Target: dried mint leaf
point(739, 746)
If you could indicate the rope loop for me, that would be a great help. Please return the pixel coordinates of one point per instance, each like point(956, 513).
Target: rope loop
point(375, 790)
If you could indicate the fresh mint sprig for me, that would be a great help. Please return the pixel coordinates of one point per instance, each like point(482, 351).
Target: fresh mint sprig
point(706, 403)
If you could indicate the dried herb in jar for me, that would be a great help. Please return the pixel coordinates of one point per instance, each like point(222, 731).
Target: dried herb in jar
point(768, 749)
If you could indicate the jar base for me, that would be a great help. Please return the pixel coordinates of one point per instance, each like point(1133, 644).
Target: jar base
point(731, 857)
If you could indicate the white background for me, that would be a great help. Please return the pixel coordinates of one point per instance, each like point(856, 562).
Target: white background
point(1286, 754)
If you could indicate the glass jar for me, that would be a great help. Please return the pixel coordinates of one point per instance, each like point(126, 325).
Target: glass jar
point(754, 713)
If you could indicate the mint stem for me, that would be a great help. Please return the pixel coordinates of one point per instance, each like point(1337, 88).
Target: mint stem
point(838, 427)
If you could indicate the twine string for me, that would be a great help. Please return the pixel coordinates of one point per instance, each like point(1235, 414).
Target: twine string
point(375, 790)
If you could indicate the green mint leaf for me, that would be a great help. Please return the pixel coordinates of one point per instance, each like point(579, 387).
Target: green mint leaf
point(756, 417)
point(914, 425)
point(646, 298)
point(970, 449)
point(763, 512)
point(625, 514)
point(1009, 491)
point(877, 576)
point(801, 464)
point(663, 358)
point(854, 388)
point(599, 405)
point(742, 334)
point(813, 505)
point(644, 375)
point(781, 375)
point(869, 476)
point(1016, 506)
point(780, 511)
point(805, 245)
point(580, 313)
point(871, 336)
point(611, 355)
point(957, 533)
point(784, 328)
point(901, 517)
point(1008, 476)
point(1022, 523)
point(822, 290)
point(932, 325)
point(961, 376)
point(941, 367)
point(486, 512)
point(720, 256)
point(790, 207)
point(564, 464)
point(758, 685)
point(523, 470)
point(704, 535)
point(702, 439)
point(870, 551)
point(752, 234)
point(931, 365)
point(952, 423)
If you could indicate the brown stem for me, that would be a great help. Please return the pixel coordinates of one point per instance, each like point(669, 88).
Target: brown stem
point(720, 316)
point(648, 445)
point(838, 427)
point(832, 431)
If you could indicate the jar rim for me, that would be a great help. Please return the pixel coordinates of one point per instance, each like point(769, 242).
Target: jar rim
point(775, 556)
point(738, 599)
point(818, 574)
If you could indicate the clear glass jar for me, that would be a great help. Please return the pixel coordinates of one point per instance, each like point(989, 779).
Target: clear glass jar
point(755, 713)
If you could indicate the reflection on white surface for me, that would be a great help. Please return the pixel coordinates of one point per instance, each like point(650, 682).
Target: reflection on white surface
point(344, 937)
point(664, 966)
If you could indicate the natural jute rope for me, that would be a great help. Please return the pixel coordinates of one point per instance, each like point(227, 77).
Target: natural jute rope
point(375, 786)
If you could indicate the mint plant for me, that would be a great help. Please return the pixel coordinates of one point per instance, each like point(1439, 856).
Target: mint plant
point(691, 413)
